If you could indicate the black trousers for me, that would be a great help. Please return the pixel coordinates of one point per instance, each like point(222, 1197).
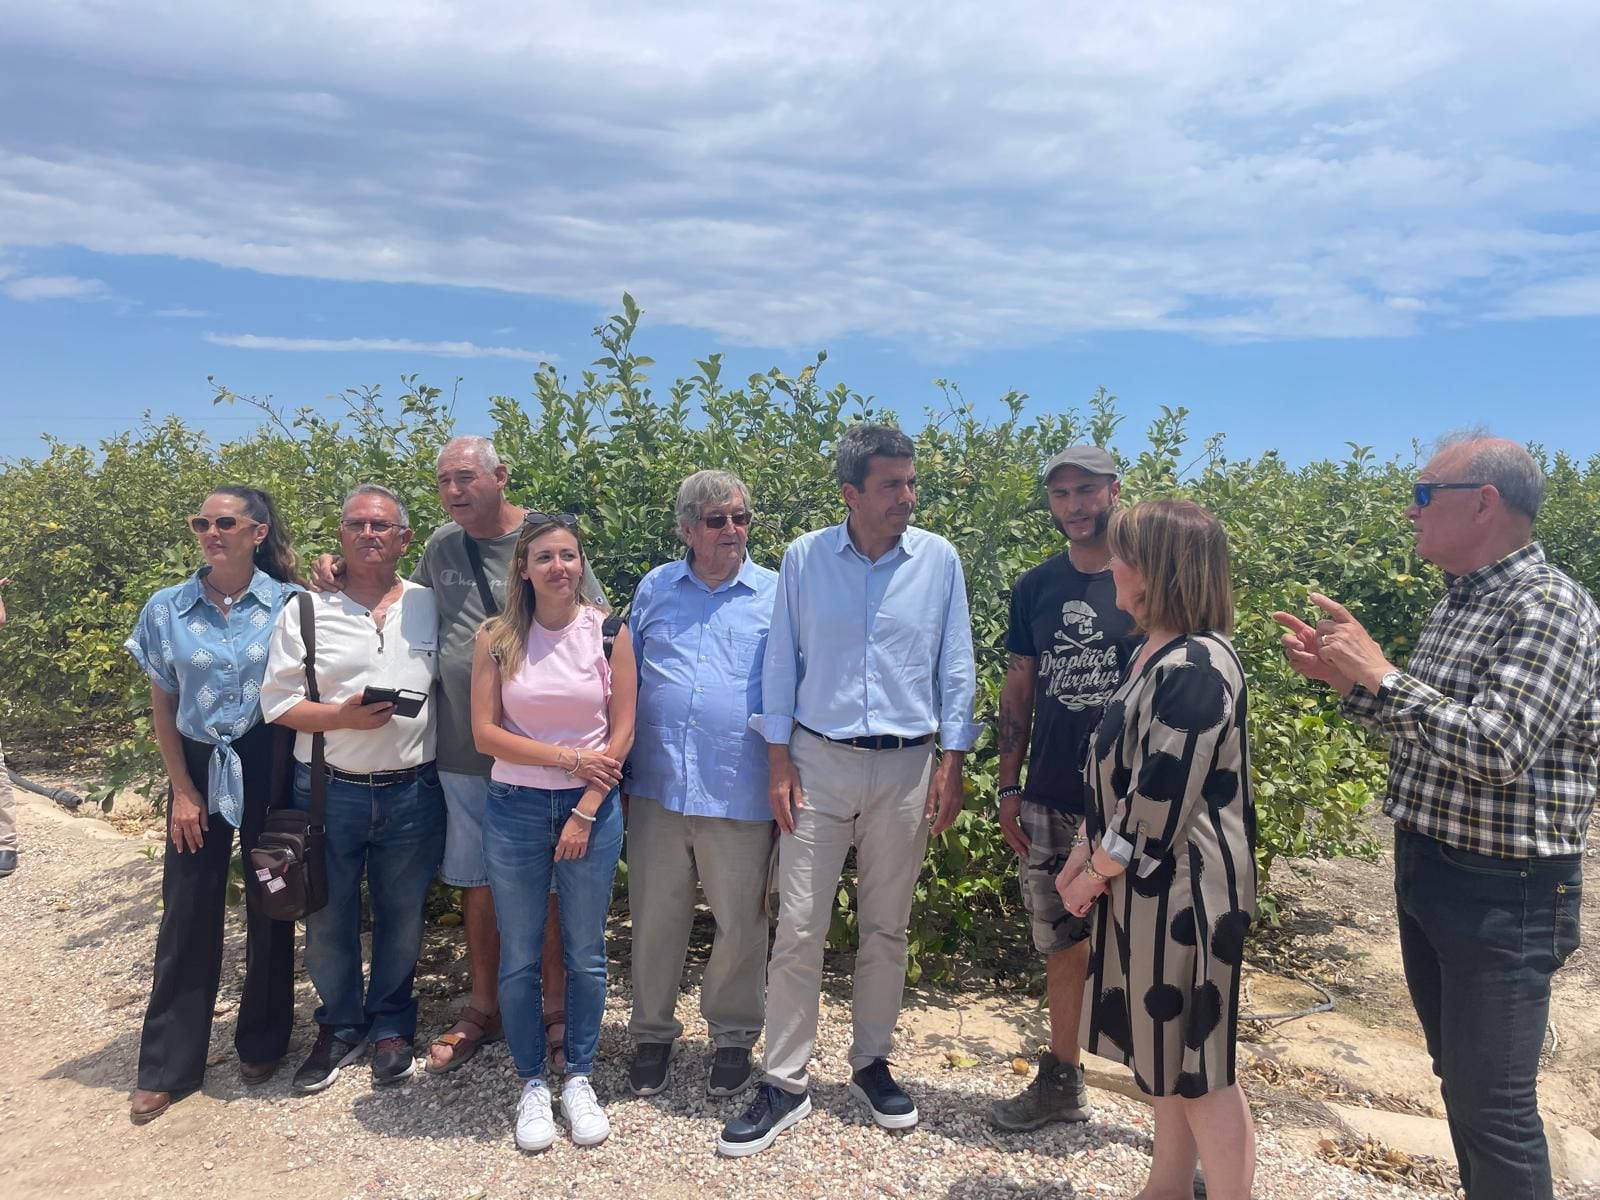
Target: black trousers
point(188, 967)
point(1480, 938)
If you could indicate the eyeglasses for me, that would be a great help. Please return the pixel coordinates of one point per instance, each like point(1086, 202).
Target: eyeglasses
point(224, 524)
point(1422, 493)
point(718, 520)
point(378, 527)
point(565, 520)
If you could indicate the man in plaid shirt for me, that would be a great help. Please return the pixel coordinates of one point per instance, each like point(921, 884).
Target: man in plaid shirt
point(1494, 760)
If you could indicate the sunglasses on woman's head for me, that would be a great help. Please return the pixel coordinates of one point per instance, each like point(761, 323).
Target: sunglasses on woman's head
point(565, 520)
point(718, 520)
point(223, 524)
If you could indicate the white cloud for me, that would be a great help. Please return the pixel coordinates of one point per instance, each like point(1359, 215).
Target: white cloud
point(29, 288)
point(1577, 296)
point(182, 313)
point(789, 175)
point(252, 341)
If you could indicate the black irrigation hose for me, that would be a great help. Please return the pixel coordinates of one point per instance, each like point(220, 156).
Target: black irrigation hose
point(1325, 1006)
point(61, 796)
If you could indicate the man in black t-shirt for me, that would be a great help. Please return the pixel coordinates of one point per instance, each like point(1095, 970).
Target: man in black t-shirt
point(1069, 644)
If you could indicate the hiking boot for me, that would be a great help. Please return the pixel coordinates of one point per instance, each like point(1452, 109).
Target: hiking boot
point(652, 1068)
point(536, 1128)
point(327, 1057)
point(771, 1112)
point(730, 1071)
point(393, 1059)
point(1056, 1093)
point(891, 1107)
point(586, 1119)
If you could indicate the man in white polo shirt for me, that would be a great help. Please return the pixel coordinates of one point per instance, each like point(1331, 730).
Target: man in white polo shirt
point(385, 812)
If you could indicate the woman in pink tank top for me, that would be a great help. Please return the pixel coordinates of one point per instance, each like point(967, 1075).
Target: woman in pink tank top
point(556, 712)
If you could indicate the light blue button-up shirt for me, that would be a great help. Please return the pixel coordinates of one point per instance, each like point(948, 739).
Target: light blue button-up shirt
point(862, 648)
point(214, 665)
point(700, 654)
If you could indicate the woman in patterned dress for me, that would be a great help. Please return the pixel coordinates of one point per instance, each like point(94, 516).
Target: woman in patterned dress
point(1170, 844)
point(203, 643)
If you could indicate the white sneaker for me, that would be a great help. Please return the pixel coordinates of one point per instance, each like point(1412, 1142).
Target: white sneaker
point(584, 1114)
point(536, 1129)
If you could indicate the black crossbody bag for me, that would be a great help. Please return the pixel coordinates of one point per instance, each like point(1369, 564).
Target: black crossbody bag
point(609, 627)
point(287, 867)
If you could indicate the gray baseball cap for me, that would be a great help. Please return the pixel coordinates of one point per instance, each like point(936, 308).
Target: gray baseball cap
point(1090, 458)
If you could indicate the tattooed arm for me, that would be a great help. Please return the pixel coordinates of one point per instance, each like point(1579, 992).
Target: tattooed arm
point(1016, 726)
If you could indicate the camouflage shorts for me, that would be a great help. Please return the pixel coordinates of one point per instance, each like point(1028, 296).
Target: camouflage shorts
point(1051, 835)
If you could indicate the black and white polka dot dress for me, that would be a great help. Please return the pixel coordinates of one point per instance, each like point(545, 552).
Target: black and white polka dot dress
point(1168, 769)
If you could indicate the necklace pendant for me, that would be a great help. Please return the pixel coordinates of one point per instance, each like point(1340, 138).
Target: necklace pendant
point(227, 602)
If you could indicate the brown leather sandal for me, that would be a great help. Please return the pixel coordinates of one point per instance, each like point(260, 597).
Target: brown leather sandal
point(556, 1046)
point(462, 1046)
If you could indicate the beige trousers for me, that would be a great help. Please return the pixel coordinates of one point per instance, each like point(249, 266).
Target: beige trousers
point(668, 853)
point(8, 808)
point(873, 800)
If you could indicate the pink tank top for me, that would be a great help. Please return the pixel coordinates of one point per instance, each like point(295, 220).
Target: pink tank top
point(560, 695)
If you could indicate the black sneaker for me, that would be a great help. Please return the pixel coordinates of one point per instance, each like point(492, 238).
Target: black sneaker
point(891, 1107)
point(730, 1071)
point(322, 1065)
point(393, 1059)
point(758, 1126)
point(652, 1067)
point(8, 862)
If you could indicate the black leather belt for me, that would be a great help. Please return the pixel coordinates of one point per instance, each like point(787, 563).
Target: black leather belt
point(374, 778)
point(879, 741)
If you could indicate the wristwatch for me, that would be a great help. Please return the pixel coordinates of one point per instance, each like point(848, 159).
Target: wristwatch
point(1388, 682)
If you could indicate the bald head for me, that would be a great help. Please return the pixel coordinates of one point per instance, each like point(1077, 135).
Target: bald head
point(1477, 456)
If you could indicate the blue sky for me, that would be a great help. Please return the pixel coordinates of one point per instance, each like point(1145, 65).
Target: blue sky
point(1354, 221)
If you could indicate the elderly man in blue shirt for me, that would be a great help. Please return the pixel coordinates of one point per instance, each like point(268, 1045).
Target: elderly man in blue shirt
point(698, 808)
point(868, 661)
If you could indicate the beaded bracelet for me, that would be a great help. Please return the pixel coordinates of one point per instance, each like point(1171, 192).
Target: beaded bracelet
point(1007, 792)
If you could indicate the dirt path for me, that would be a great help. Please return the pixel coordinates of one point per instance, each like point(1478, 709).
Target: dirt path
point(77, 925)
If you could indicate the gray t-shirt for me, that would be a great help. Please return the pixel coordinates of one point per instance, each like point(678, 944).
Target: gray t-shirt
point(446, 569)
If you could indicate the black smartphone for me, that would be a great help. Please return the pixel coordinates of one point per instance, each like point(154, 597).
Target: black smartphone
point(406, 703)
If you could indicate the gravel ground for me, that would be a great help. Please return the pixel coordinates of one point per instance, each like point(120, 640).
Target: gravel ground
point(77, 923)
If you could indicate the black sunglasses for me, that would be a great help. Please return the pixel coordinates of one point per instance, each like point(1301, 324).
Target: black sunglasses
point(1422, 493)
point(565, 520)
point(718, 520)
point(223, 524)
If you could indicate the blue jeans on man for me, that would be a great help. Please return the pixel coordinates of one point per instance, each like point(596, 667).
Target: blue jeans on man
point(520, 829)
point(1480, 938)
point(394, 836)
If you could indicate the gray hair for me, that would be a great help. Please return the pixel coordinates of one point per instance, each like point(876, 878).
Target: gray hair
point(1506, 465)
point(481, 448)
point(377, 489)
point(861, 444)
point(705, 488)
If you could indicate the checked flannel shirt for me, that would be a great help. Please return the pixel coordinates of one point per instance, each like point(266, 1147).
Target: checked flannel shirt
point(1494, 726)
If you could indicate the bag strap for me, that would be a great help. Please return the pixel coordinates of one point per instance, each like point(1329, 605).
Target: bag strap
point(609, 628)
point(319, 769)
point(475, 557)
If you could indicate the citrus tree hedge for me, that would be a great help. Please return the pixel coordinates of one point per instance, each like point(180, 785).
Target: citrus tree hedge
point(88, 534)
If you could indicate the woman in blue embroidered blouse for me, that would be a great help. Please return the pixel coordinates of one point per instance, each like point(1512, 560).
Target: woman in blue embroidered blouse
point(204, 645)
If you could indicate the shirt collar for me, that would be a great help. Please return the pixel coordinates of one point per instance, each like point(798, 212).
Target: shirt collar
point(746, 575)
point(1496, 575)
point(907, 543)
point(262, 586)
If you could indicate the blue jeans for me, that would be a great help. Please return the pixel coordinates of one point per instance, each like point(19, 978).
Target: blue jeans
point(521, 826)
point(395, 835)
point(1480, 938)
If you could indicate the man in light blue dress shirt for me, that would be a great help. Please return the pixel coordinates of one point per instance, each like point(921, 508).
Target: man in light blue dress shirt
point(697, 786)
point(868, 661)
